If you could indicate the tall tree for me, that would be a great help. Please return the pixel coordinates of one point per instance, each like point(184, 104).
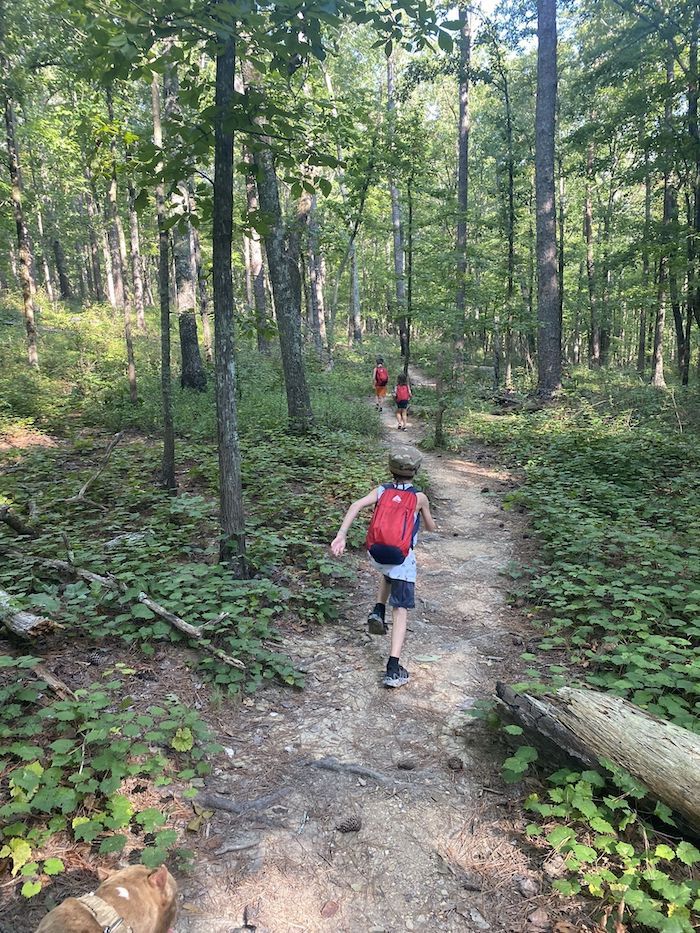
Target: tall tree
point(548, 322)
point(168, 461)
point(465, 45)
point(396, 225)
point(232, 548)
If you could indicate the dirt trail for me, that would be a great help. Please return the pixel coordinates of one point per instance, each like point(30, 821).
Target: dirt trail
point(437, 847)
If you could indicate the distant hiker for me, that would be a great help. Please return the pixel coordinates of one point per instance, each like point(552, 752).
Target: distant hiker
point(380, 379)
point(391, 538)
point(402, 395)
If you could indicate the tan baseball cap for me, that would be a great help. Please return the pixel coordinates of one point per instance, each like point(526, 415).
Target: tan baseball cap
point(405, 461)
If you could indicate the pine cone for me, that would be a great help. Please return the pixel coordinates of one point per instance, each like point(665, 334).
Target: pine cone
point(350, 824)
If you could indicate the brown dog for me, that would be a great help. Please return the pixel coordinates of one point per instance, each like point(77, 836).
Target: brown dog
point(145, 901)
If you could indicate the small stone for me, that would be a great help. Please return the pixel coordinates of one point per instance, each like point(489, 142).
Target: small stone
point(406, 764)
point(408, 924)
point(485, 489)
point(478, 919)
point(538, 921)
point(455, 764)
point(528, 887)
point(330, 909)
point(555, 866)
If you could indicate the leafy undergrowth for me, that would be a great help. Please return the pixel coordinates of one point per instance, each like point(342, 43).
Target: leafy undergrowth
point(610, 484)
point(69, 767)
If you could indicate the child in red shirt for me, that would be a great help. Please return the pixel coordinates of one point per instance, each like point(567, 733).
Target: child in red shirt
point(380, 380)
point(402, 395)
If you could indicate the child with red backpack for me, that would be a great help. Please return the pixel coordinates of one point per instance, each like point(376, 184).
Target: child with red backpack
point(402, 395)
point(380, 380)
point(391, 538)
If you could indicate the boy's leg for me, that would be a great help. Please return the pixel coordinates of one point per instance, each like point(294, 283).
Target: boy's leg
point(402, 599)
point(376, 620)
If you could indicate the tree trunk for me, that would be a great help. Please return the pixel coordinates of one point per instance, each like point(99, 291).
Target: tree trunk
point(136, 262)
point(203, 294)
point(642, 344)
point(465, 44)
point(192, 375)
point(589, 725)
point(561, 231)
point(399, 258)
point(317, 280)
point(657, 360)
point(594, 331)
point(257, 266)
point(232, 518)
point(23, 247)
point(282, 250)
point(20, 622)
point(355, 309)
point(168, 463)
point(62, 269)
point(549, 329)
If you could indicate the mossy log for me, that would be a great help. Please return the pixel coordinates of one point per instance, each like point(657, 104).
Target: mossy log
point(20, 622)
point(589, 725)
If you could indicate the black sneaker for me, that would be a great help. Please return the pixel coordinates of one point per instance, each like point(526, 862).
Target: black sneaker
point(396, 677)
point(376, 623)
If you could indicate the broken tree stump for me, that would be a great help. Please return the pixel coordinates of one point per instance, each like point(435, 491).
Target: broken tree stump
point(589, 725)
point(20, 622)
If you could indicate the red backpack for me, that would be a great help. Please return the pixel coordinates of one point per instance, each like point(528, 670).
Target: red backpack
point(381, 376)
point(390, 533)
point(403, 393)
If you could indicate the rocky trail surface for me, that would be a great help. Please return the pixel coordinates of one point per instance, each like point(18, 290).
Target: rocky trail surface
point(356, 808)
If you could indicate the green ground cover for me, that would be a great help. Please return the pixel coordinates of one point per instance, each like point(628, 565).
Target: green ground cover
point(65, 762)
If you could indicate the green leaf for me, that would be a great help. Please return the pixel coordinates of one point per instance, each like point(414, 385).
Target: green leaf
point(112, 844)
point(53, 866)
point(444, 40)
point(664, 852)
point(513, 730)
point(560, 836)
point(183, 740)
point(30, 888)
point(687, 853)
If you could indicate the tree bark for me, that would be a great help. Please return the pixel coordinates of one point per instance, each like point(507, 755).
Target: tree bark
point(20, 622)
point(549, 328)
point(399, 258)
point(232, 517)
point(594, 331)
point(202, 289)
point(589, 725)
point(257, 266)
point(136, 261)
point(657, 359)
point(641, 343)
point(317, 276)
point(192, 374)
point(168, 462)
point(62, 269)
point(465, 41)
point(23, 246)
point(282, 249)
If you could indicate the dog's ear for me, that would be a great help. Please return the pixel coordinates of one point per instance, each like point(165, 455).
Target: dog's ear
point(159, 878)
point(104, 873)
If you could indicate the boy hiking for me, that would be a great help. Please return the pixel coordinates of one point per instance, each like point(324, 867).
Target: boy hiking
point(380, 380)
point(391, 538)
point(402, 395)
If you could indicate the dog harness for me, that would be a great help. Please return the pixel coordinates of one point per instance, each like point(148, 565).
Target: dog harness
point(104, 914)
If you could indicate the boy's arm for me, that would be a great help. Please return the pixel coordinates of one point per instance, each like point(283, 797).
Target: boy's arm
point(428, 519)
point(338, 543)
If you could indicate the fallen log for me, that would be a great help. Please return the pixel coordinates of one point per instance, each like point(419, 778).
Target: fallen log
point(111, 583)
point(16, 524)
point(589, 726)
point(21, 622)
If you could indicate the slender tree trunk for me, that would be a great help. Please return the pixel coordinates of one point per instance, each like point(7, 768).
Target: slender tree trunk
point(257, 266)
point(317, 280)
point(136, 262)
point(232, 517)
point(117, 246)
point(642, 345)
point(657, 360)
point(397, 229)
point(203, 293)
point(594, 331)
point(43, 239)
point(282, 249)
point(549, 328)
point(168, 463)
point(561, 242)
point(355, 308)
point(465, 44)
point(192, 374)
point(23, 246)
point(62, 269)
point(93, 226)
point(409, 270)
point(693, 296)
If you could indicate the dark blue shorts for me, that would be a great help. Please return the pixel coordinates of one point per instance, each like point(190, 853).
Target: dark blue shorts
point(402, 405)
point(403, 593)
